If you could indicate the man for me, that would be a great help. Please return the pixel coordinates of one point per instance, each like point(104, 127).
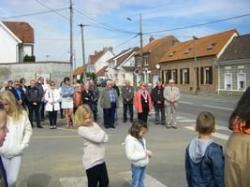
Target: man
point(42, 89)
point(96, 94)
point(109, 102)
point(172, 96)
point(158, 99)
point(127, 98)
point(87, 96)
point(3, 132)
point(34, 97)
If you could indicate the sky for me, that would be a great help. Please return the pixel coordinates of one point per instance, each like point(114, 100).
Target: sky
point(115, 23)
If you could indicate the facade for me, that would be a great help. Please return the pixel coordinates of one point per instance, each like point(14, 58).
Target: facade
point(234, 67)
point(17, 40)
point(51, 70)
point(152, 53)
point(99, 60)
point(193, 64)
point(121, 67)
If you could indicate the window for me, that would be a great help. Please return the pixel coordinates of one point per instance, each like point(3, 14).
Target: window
point(184, 76)
point(208, 75)
point(174, 75)
point(202, 75)
point(146, 60)
point(241, 81)
point(228, 81)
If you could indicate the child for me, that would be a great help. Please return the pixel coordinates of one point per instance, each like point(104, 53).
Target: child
point(93, 147)
point(204, 160)
point(137, 152)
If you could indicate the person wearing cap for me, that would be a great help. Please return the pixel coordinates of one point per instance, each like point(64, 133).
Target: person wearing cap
point(171, 96)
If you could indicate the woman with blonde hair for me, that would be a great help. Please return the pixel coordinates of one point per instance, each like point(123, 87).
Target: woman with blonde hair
point(94, 139)
point(18, 137)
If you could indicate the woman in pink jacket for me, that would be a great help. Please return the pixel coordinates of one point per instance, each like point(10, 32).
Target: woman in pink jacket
point(142, 102)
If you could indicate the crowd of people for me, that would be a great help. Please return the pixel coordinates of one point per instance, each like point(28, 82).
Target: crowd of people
point(205, 162)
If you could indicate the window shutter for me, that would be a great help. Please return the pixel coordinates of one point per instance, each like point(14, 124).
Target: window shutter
point(176, 81)
point(202, 75)
point(187, 76)
point(181, 76)
point(211, 75)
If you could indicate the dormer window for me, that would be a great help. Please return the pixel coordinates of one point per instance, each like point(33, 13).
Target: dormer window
point(187, 50)
point(211, 46)
point(171, 54)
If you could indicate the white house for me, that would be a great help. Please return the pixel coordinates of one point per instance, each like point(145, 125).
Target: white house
point(99, 59)
point(17, 40)
point(121, 67)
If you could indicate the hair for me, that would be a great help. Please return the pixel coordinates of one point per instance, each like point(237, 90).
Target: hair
point(66, 79)
point(22, 80)
point(52, 83)
point(242, 111)
point(15, 110)
point(136, 127)
point(81, 113)
point(205, 123)
point(1, 106)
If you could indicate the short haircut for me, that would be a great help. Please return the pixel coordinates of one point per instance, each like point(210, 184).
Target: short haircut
point(136, 127)
point(205, 123)
point(66, 79)
point(82, 112)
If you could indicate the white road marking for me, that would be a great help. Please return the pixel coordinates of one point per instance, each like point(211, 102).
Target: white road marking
point(218, 107)
point(74, 181)
point(149, 180)
point(216, 134)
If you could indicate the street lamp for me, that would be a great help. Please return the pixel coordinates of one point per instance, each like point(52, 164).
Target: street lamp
point(158, 67)
point(196, 67)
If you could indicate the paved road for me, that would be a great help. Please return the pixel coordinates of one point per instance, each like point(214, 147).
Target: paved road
point(54, 156)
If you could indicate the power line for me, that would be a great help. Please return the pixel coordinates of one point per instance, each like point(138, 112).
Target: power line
point(36, 13)
point(42, 4)
point(200, 24)
point(103, 24)
point(128, 40)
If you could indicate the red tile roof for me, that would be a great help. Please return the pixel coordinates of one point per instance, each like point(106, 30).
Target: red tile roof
point(22, 30)
point(101, 72)
point(96, 56)
point(204, 46)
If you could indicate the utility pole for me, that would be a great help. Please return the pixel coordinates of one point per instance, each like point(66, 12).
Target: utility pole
point(71, 39)
point(83, 49)
point(141, 49)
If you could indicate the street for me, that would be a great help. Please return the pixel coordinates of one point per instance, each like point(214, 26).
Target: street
point(53, 158)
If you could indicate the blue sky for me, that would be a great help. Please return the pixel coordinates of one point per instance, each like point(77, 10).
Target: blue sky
point(52, 30)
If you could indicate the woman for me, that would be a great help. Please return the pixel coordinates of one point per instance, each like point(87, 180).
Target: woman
point(18, 137)
point(67, 92)
point(52, 98)
point(143, 102)
point(237, 155)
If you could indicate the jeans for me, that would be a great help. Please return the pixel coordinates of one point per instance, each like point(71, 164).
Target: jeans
point(138, 175)
point(126, 107)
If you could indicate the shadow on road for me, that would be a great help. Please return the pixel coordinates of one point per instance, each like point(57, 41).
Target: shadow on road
point(36, 180)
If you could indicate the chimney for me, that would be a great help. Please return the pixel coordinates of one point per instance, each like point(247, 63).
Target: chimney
point(96, 52)
point(151, 39)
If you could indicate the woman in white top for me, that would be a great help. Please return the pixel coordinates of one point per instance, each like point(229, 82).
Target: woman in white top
point(17, 138)
point(52, 98)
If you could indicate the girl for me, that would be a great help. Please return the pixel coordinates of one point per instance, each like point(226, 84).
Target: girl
point(137, 152)
point(52, 98)
point(93, 146)
point(18, 137)
point(67, 92)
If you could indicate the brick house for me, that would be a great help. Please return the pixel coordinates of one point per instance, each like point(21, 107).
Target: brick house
point(152, 52)
point(193, 64)
point(234, 66)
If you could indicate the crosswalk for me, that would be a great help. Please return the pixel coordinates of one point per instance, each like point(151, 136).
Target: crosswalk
point(222, 132)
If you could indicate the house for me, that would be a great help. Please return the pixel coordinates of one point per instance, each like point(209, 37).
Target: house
point(193, 64)
point(121, 66)
point(17, 41)
point(99, 60)
point(234, 66)
point(152, 53)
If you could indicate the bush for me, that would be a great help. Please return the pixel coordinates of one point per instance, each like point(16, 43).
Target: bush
point(28, 58)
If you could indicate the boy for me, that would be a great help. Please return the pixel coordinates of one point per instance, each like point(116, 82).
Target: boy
point(204, 160)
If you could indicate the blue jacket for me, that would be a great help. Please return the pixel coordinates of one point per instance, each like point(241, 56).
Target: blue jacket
point(207, 169)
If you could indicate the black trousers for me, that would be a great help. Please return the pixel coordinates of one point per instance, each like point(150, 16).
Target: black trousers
point(128, 107)
point(32, 109)
point(52, 118)
point(98, 176)
point(143, 116)
point(109, 116)
point(42, 107)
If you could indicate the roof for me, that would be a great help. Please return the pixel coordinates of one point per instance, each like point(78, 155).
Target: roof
point(239, 48)
point(98, 54)
point(123, 57)
point(118, 55)
point(101, 72)
point(201, 47)
point(22, 30)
